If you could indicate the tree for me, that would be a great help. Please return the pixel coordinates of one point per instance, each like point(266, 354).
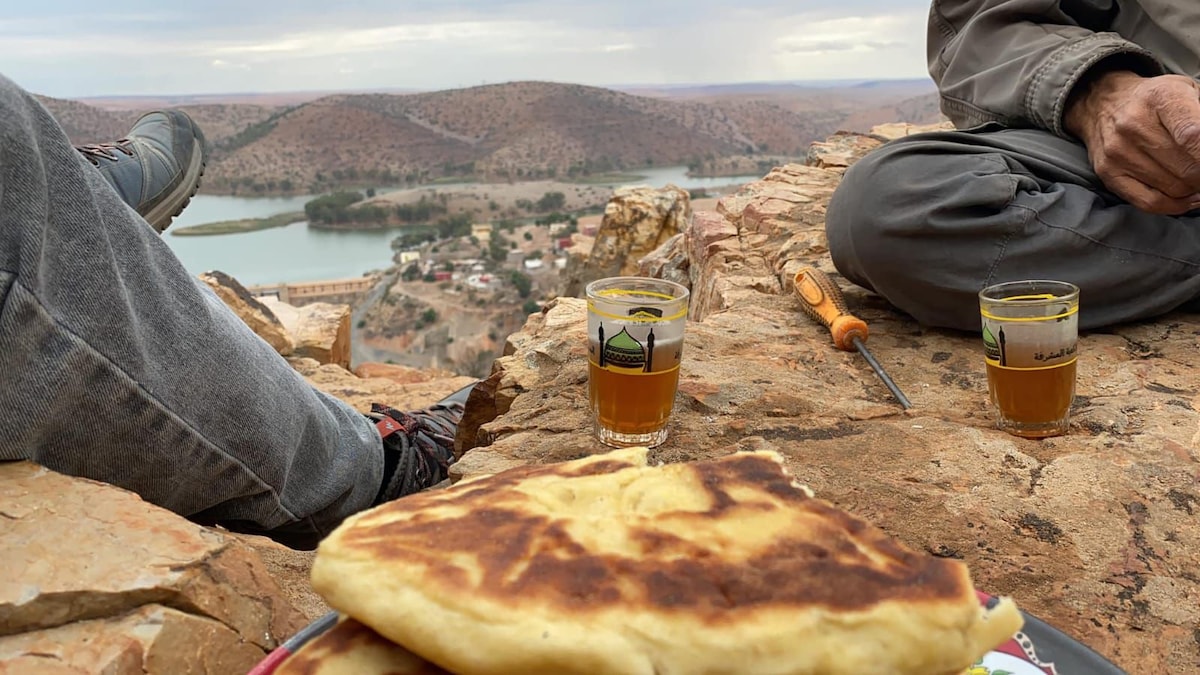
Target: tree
point(429, 316)
point(332, 208)
point(552, 201)
point(370, 192)
point(522, 283)
point(411, 273)
point(528, 236)
point(498, 247)
point(448, 266)
point(531, 306)
point(429, 278)
point(458, 225)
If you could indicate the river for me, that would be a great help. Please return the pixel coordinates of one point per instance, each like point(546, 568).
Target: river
point(300, 253)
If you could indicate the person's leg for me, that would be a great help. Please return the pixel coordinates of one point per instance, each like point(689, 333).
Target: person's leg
point(116, 365)
point(930, 220)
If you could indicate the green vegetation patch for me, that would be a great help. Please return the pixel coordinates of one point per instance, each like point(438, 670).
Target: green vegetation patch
point(253, 132)
point(607, 178)
point(344, 208)
point(236, 226)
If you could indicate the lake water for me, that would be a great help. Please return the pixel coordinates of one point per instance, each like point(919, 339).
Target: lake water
point(300, 253)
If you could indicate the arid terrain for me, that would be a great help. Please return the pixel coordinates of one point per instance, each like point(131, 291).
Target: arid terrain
point(491, 153)
point(512, 132)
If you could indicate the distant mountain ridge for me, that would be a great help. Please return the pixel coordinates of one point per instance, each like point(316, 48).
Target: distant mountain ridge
point(503, 132)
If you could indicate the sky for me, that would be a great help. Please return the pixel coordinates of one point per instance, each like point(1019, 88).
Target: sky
point(150, 47)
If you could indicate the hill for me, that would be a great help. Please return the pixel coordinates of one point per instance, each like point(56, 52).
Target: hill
point(85, 123)
point(516, 131)
point(507, 132)
point(918, 110)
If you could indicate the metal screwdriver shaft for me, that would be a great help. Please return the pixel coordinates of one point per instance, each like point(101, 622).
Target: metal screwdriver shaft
point(824, 302)
point(887, 381)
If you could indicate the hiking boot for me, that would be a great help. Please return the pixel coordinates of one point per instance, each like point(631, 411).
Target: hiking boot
point(156, 168)
point(418, 445)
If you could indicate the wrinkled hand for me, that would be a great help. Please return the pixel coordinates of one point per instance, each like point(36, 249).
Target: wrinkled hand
point(1143, 138)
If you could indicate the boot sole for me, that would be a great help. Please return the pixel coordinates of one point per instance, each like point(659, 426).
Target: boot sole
point(174, 204)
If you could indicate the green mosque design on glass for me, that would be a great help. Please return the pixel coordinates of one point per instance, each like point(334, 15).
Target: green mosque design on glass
point(994, 348)
point(624, 352)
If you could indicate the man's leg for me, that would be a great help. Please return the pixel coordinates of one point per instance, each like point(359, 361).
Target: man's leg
point(116, 365)
point(930, 220)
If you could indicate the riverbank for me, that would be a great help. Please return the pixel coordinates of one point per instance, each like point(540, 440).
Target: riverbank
point(739, 165)
point(240, 225)
point(742, 168)
point(491, 202)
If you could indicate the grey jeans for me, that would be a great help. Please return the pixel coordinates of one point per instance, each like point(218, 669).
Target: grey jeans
point(117, 365)
point(930, 220)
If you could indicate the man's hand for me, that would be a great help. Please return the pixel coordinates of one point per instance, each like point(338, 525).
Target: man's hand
point(1143, 137)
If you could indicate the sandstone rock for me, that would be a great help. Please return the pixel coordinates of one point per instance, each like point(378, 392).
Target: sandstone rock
point(401, 374)
point(1095, 532)
point(150, 639)
point(839, 151)
point(362, 392)
point(894, 130)
point(666, 262)
point(482, 462)
point(636, 221)
point(480, 408)
point(321, 331)
point(96, 580)
point(290, 569)
point(844, 148)
point(257, 316)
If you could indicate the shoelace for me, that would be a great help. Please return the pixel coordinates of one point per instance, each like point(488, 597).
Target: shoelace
point(424, 443)
point(94, 152)
point(440, 422)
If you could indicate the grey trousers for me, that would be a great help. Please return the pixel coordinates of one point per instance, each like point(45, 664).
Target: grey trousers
point(930, 220)
point(117, 365)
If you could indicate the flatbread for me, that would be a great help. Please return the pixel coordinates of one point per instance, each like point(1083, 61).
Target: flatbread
point(350, 648)
point(607, 565)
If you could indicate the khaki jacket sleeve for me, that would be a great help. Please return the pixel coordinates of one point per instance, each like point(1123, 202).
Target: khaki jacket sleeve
point(1016, 61)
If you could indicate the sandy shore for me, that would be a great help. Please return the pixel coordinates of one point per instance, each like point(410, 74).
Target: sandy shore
point(494, 201)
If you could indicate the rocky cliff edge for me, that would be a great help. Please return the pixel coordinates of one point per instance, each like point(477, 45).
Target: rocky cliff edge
point(1097, 532)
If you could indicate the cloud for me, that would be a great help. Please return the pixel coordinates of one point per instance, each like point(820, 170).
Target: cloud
point(887, 43)
point(222, 63)
point(371, 39)
point(137, 46)
point(822, 46)
point(849, 33)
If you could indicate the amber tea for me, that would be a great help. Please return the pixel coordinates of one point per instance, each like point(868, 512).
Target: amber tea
point(635, 345)
point(633, 400)
point(1030, 338)
point(1034, 399)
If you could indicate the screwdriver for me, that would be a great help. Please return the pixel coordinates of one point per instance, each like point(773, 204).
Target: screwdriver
point(823, 301)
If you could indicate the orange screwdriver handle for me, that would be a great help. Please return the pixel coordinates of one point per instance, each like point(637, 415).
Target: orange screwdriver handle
point(823, 301)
